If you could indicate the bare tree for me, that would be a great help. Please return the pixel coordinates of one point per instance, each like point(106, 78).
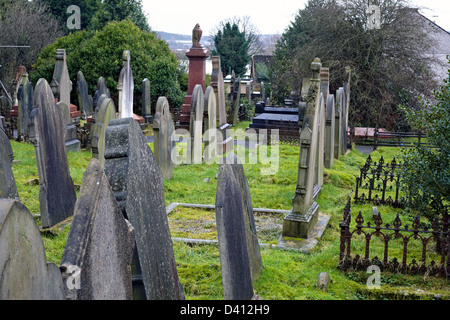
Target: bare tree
point(23, 23)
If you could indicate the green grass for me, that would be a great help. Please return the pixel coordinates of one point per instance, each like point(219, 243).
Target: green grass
point(286, 275)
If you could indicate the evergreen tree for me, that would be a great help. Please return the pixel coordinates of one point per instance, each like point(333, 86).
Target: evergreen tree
point(232, 47)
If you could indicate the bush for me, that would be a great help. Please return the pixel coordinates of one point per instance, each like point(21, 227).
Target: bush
point(99, 54)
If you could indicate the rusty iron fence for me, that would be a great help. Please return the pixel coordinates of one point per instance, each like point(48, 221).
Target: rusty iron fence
point(439, 234)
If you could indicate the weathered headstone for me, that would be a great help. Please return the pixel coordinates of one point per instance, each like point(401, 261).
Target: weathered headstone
point(210, 135)
point(137, 183)
point(102, 89)
point(233, 250)
point(8, 187)
point(225, 143)
point(25, 99)
point(100, 242)
point(25, 273)
point(71, 139)
point(321, 141)
point(61, 84)
point(301, 219)
point(338, 123)
point(56, 189)
point(146, 101)
point(236, 100)
point(329, 139)
point(125, 86)
point(84, 99)
point(106, 112)
point(195, 152)
point(164, 143)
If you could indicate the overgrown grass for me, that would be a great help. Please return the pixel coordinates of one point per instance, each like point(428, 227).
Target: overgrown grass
point(286, 275)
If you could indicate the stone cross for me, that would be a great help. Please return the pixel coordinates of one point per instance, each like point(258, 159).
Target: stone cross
point(125, 86)
point(47, 133)
point(100, 242)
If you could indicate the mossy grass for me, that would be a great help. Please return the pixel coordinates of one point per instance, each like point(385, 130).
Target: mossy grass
point(286, 274)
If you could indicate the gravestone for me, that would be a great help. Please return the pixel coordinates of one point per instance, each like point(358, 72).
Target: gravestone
point(321, 141)
point(195, 151)
point(125, 86)
point(236, 93)
point(105, 113)
point(146, 101)
point(47, 133)
point(61, 84)
point(71, 140)
point(84, 99)
point(303, 216)
point(100, 242)
point(137, 183)
point(25, 273)
point(8, 187)
point(338, 123)
point(329, 139)
point(210, 123)
point(25, 99)
point(225, 143)
point(233, 250)
point(164, 143)
point(102, 89)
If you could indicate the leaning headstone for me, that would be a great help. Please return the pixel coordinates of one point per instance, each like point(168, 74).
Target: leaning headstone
point(25, 273)
point(125, 86)
point(8, 187)
point(105, 114)
point(137, 183)
point(164, 144)
point(56, 189)
point(233, 251)
point(61, 84)
point(146, 101)
point(210, 135)
point(84, 99)
point(25, 98)
point(100, 242)
point(196, 126)
point(253, 247)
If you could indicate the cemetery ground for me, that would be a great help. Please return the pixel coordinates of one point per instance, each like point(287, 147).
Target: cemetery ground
point(286, 274)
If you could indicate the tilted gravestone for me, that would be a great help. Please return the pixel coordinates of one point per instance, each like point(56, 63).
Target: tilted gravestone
point(25, 99)
point(164, 144)
point(233, 250)
point(210, 124)
point(100, 242)
point(137, 183)
point(300, 221)
point(195, 152)
point(105, 113)
point(84, 99)
point(125, 86)
point(146, 101)
point(8, 187)
point(56, 189)
point(25, 273)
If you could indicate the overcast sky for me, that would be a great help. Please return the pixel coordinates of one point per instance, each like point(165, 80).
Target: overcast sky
point(269, 17)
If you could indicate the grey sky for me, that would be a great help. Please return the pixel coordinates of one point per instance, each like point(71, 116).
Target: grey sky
point(270, 17)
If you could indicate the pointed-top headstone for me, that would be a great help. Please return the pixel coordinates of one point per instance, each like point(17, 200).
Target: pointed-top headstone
point(84, 99)
point(61, 84)
point(125, 86)
point(56, 189)
point(100, 242)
